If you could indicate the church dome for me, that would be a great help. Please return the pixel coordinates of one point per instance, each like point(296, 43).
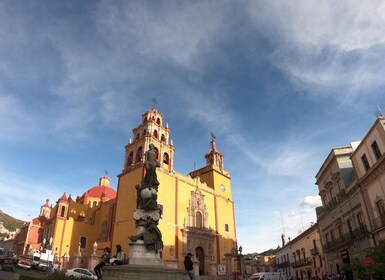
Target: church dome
point(101, 192)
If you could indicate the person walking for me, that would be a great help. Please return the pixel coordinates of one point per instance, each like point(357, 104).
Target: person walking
point(189, 266)
point(104, 260)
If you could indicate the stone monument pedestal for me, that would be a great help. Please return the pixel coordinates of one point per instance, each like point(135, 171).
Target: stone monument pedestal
point(142, 272)
point(140, 256)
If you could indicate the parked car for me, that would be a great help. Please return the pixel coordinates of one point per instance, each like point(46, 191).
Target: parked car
point(25, 262)
point(78, 272)
point(7, 260)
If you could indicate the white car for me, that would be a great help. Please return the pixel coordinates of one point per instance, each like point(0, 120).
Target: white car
point(78, 272)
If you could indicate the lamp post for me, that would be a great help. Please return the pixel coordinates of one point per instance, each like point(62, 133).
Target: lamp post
point(240, 249)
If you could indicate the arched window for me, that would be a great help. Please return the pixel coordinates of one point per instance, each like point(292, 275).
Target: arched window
point(163, 138)
point(62, 211)
point(165, 158)
point(94, 204)
point(130, 158)
point(158, 121)
point(157, 153)
point(198, 220)
point(156, 134)
point(139, 155)
point(137, 137)
point(144, 133)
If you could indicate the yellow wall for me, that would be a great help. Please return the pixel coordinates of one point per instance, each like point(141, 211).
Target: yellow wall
point(174, 194)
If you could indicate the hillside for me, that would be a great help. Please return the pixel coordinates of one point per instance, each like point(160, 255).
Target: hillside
point(9, 222)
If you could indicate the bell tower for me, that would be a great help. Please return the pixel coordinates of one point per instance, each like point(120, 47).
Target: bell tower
point(150, 131)
point(214, 157)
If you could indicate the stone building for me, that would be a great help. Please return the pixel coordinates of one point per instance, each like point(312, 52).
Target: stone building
point(351, 185)
point(369, 163)
point(302, 257)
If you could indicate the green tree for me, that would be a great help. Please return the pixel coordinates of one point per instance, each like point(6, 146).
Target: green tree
point(378, 255)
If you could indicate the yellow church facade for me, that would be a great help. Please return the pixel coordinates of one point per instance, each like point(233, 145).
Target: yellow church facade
point(197, 209)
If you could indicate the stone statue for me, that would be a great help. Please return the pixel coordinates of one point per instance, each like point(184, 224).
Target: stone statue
point(152, 236)
point(147, 214)
point(151, 163)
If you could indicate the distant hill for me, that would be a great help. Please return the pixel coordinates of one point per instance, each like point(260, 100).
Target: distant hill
point(9, 222)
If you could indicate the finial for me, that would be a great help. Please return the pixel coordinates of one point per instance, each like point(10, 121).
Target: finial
point(212, 136)
point(155, 102)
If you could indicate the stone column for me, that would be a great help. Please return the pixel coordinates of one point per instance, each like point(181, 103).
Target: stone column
point(196, 266)
point(66, 260)
point(77, 259)
point(93, 259)
point(213, 268)
point(172, 262)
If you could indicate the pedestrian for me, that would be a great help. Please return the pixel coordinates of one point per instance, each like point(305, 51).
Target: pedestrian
point(103, 261)
point(48, 269)
point(189, 266)
point(120, 258)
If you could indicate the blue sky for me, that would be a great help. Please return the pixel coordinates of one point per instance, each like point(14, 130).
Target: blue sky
point(280, 83)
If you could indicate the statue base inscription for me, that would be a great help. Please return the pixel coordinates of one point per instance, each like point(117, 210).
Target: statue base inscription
point(140, 255)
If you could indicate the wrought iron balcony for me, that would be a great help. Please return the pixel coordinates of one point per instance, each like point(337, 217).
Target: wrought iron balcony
point(314, 251)
point(303, 262)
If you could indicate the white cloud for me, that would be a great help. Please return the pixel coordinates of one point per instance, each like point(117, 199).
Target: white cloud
point(172, 31)
point(13, 198)
point(326, 44)
point(311, 201)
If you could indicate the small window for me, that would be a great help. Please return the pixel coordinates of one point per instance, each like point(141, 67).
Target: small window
point(130, 158)
point(165, 158)
point(226, 227)
point(62, 212)
point(350, 228)
point(199, 220)
point(380, 207)
point(376, 150)
point(156, 134)
point(139, 154)
point(360, 220)
point(365, 162)
point(83, 242)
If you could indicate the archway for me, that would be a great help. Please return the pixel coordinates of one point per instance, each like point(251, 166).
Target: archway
point(200, 255)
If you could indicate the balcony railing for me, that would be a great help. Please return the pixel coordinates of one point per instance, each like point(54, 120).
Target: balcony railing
point(314, 251)
point(283, 264)
point(303, 262)
point(346, 238)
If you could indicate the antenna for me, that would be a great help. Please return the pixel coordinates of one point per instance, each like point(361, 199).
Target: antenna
point(301, 218)
point(283, 226)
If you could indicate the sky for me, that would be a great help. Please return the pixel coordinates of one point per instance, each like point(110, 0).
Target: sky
point(279, 83)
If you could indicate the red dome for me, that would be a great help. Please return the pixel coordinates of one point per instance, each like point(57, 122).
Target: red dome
point(101, 191)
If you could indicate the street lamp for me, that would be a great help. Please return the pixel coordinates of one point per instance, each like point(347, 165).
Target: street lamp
point(240, 249)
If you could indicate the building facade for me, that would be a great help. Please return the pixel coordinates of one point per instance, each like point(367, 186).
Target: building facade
point(302, 257)
point(197, 208)
point(351, 185)
point(369, 163)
